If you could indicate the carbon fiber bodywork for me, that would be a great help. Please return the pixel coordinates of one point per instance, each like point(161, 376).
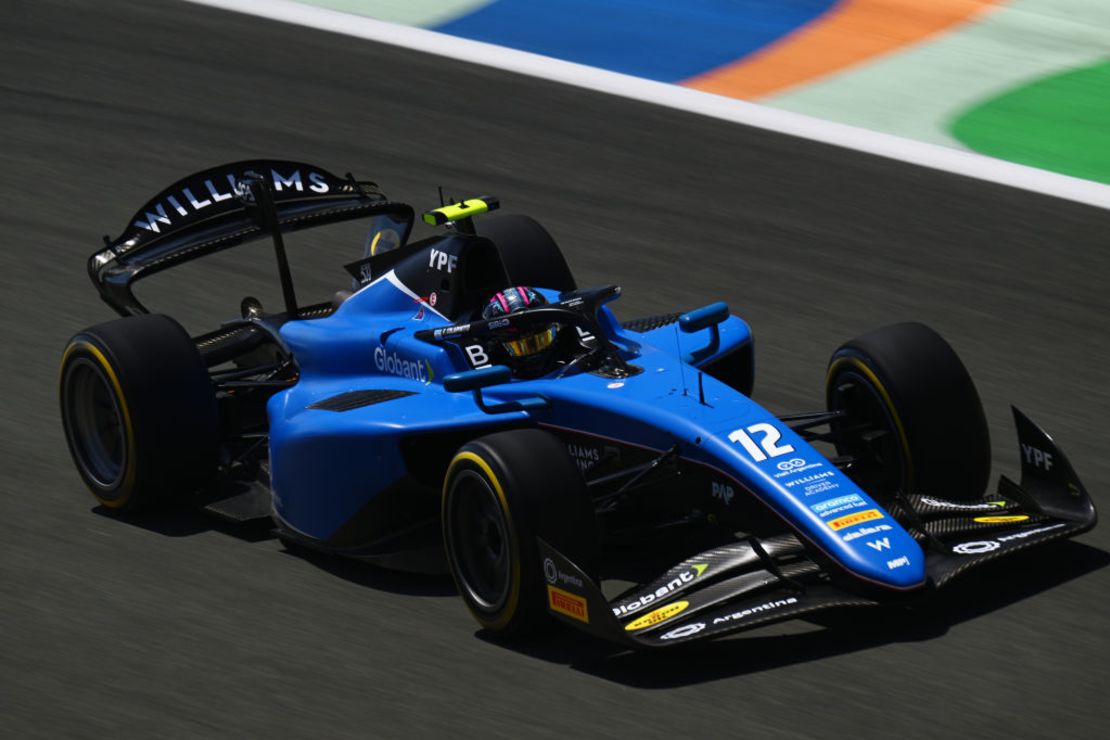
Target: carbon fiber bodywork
point(758, 581)
point(650, 323)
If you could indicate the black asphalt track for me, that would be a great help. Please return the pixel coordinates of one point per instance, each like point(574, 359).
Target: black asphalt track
point(175, 628)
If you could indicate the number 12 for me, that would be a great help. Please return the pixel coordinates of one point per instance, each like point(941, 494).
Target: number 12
point(769, 442)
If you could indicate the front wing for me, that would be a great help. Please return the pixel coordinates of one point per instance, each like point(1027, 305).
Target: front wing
point(758, 581)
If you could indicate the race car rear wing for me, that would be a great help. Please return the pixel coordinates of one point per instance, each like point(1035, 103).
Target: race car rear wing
point(231, 205)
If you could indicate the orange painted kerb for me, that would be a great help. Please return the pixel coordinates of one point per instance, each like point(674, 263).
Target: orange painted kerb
point(851, 32)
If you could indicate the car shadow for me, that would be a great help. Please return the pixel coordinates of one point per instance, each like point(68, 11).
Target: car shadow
point(993, 586)
point(372, 576)
point(189, 523)
point(990, 588)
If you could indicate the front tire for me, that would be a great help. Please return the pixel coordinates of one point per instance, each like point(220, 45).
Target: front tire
point(500, 494)
point(914, 418)
point(139, 412)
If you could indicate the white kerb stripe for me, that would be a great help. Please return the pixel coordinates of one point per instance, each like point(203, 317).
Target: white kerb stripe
point(673, 96)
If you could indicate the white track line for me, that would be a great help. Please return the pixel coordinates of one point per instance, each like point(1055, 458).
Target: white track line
point(673, 96)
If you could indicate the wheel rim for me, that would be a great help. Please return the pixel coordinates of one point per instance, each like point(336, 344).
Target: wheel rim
point(479, 544)
point(94, 424)
point(868, 433)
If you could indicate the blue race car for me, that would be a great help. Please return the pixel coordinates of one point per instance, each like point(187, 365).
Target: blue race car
point(468, 403)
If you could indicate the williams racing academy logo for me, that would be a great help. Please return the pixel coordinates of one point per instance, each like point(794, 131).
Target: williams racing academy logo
point(680, 581)
point(392, 363)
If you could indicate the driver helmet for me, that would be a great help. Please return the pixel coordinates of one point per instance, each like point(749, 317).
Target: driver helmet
point(521, 346)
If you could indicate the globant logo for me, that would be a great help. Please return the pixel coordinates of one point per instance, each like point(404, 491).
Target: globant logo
point(680, 581)
point(393, 364)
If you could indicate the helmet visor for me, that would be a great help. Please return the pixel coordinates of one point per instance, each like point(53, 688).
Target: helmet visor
point(529, 344)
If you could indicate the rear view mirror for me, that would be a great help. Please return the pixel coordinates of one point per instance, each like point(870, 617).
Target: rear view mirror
point(706, 317)
point(484, 377)
point(703, 318)
point(472, 380)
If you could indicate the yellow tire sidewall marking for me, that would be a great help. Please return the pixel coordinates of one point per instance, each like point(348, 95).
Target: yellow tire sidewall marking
point(859, 366)
point(129, 473)
point(514, 560)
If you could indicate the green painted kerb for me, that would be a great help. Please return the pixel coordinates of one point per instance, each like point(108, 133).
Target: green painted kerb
point(1059, 123)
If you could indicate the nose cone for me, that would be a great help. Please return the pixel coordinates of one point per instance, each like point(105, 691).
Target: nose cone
point(819, 501)
point(739, 439)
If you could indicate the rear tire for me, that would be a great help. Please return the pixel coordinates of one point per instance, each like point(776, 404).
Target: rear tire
point(139, 412)
point(908, 385)
point(530, 255)
point(500, 493)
